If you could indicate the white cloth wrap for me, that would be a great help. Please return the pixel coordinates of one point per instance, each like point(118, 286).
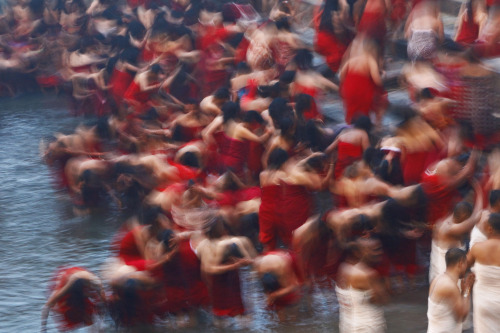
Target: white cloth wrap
point(357, 314)
point(486, 299)
point(441, 318)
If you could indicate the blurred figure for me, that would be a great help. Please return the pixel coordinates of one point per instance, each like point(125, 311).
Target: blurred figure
point(361, 86)
point(359, 289)
point(76, 294)
point(448, 305)
point(280, 277)
point(478, 233)
point(485, 256)
point(450, 232)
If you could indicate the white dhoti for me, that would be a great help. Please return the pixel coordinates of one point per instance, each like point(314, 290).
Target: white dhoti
point(441, 318)
point(438, 262)
point(486, 299)
point(476, 236)
point(357, 313)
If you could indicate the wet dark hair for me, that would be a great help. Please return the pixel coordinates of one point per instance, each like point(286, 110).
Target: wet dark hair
point(276, 159)
point(165, 237)
point(249, 225)
point(317, 162)
point(303, 59)
point(277, 108)
point(426, 93)
point(190, 159)
point(156, 68)
point(494, 197)
point(253, 116)
point(361, 224)
point(494, 221)
point(302, 103)
point(286, 125)
point(364, 123)
point(270, 282)
point(150, 215)
point(269, 91)
point(325, 22)
point(283, 24)
point(230, 110)
point(76, 294)
point(243, 68)
point(231, 251)
point(454, 256)
point(287, 77)
point(313, 136)
point(394, 214)
point(136, 29)
point(222, 93)
point(462, 208)
point(131, 298)
point(130, 55)
point(216, 228)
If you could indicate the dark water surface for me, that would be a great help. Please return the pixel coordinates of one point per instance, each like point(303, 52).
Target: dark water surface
point(39, 233)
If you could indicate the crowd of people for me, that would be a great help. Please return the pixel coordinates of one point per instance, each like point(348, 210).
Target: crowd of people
point(209, 137)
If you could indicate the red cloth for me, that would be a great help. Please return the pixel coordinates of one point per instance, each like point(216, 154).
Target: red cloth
point(330, 47)
point(373, 25)
point(47, 81)
point(269, 214)
point(469, 30)
point(69, 317)
point(311, 91)
point(398, 10)
point(225, 293)
point(119, 81)
point(129, 252)
point(347, 153)
point(440, 199)
point(233, 154)
point(254, 157)
point(137, 97)
point(296, 208)
point(360, 95)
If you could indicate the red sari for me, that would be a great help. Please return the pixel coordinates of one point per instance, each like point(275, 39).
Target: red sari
point(269, 214)
point(119, 81)
point(329, 46)
point(225, 293)
point(70, 318)
point(347, 154)
point(440, 199)
point(360, 95)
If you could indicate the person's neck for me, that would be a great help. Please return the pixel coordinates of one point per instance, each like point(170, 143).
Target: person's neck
point(453, 275)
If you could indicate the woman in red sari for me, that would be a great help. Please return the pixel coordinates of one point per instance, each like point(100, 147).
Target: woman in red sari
point(331, 38)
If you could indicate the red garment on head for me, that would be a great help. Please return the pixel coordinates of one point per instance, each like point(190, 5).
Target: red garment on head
point(330, 47)
point(347, 154)
point(225, 293)
point(360, 95)
point(440, 199)
point(71, 318)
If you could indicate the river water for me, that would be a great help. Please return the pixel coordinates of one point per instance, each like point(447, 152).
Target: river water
point(39, 233)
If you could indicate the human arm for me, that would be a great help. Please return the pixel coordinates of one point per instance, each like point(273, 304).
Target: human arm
point(459, 229)
point(207, 133)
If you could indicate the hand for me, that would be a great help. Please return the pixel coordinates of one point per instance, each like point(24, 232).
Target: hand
point(244, 262)
point(469, 280)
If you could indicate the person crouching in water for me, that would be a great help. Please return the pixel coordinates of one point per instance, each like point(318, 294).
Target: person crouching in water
point(282, 281)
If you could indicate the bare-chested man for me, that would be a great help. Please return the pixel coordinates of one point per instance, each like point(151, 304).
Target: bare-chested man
point(478, 233)
point(448, 305)
point(451, 231)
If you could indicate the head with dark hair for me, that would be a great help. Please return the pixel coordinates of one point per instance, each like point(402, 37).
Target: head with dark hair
point(494, 222)
point(253, 117)
point(303, 102)
point(287, 126)
point(216, 228)
point(166, 238)
point(276, 159)
point(150, 215)
point(222, 94)
point(370, 249)
point(462, 211)
point(287, 77)
point(270, 282)
point(316, 163)
point(495, 199)
point(363, 123)
point(232, 251)
point(325, 22)
point(136, 29)
point(361, 224)
point(455, 256)
point(283, 24)
point(190, 159)
point(243, 68)
point(426, 93)
point(156, 69)
point(303, 59)
point(76, 292)
point(277, 109)
point(230, 111)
